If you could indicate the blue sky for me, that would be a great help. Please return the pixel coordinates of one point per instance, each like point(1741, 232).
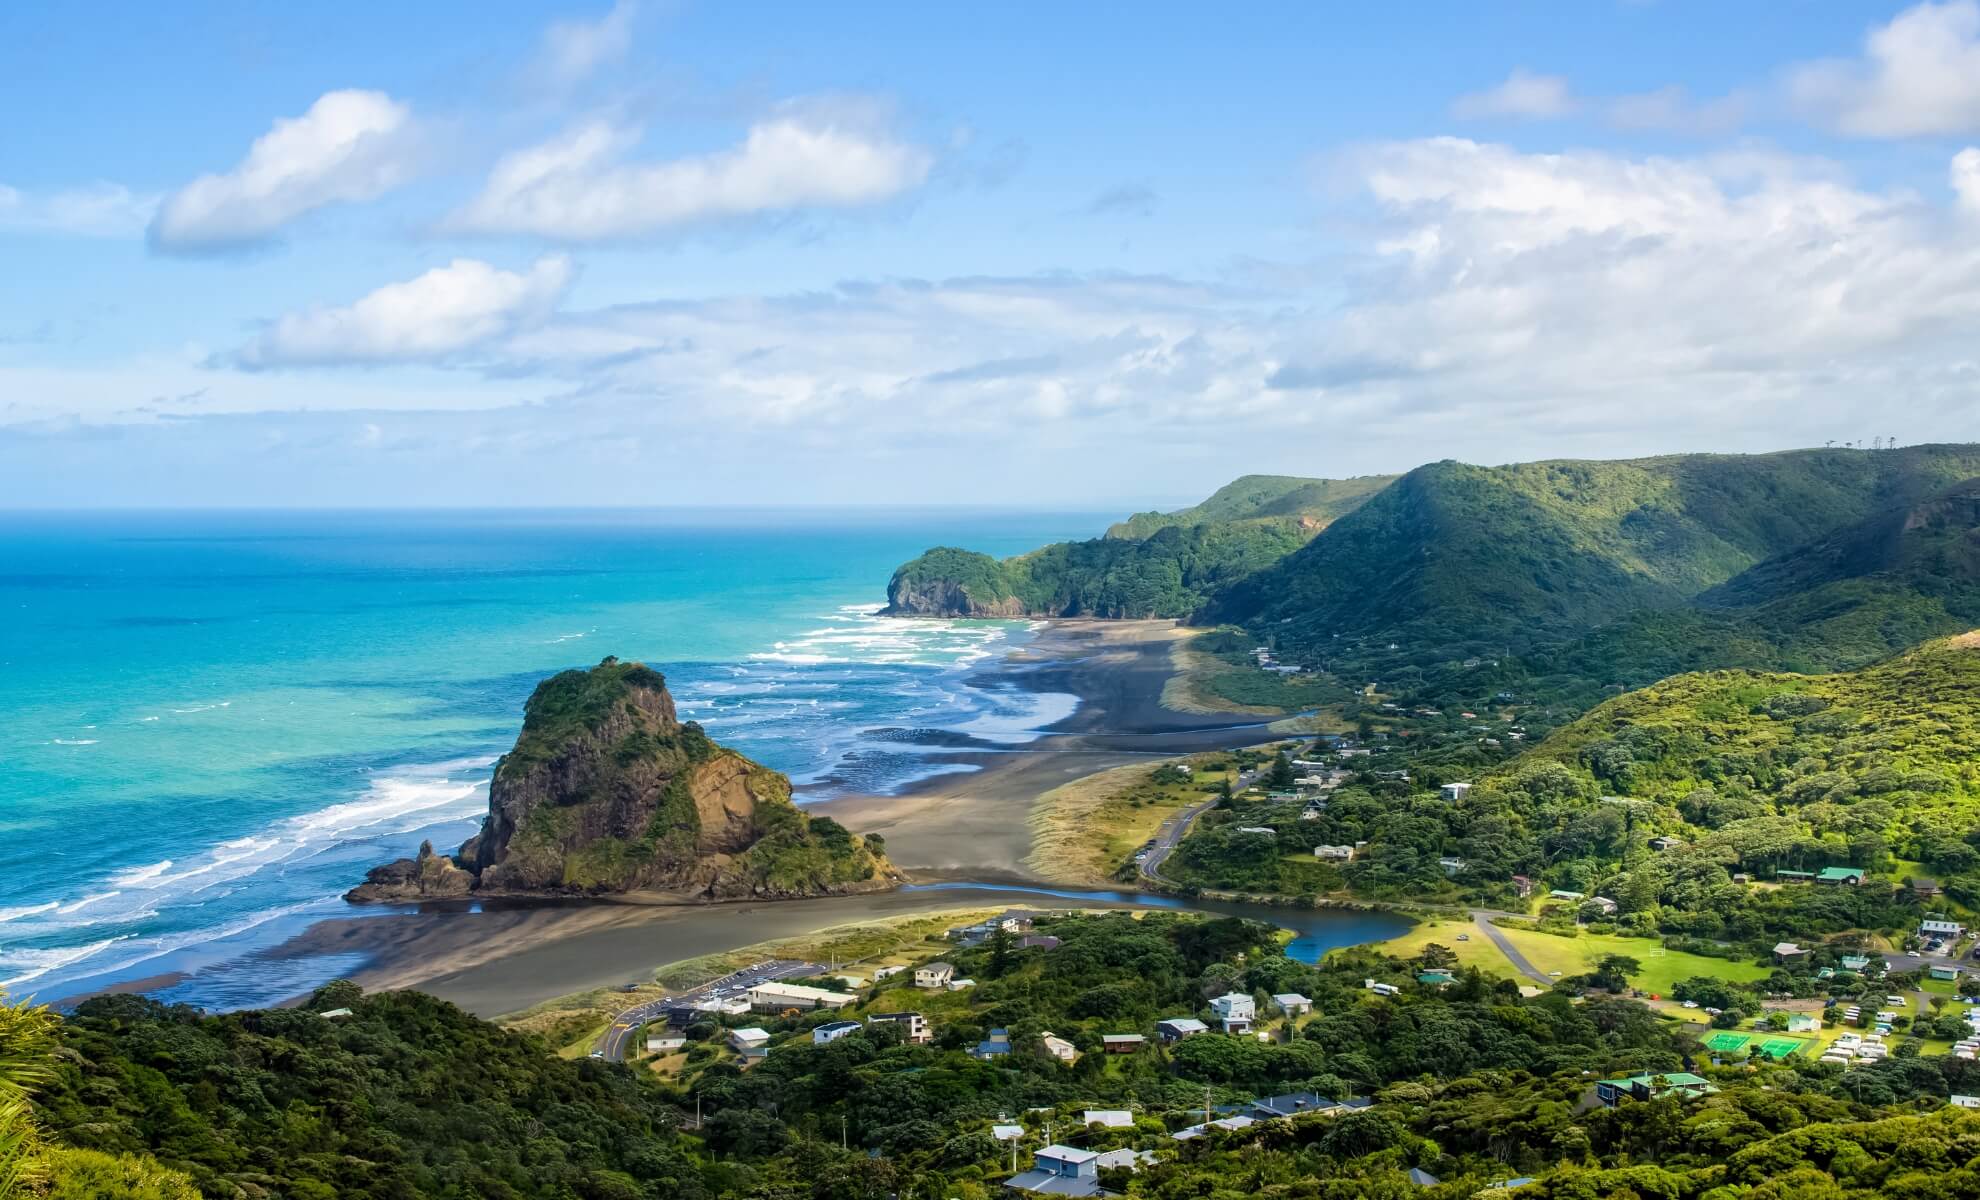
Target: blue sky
point(685, 253)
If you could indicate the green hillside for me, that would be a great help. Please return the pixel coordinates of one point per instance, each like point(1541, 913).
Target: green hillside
point(1151, 565)
point(1455, 560)
point(1313, 503)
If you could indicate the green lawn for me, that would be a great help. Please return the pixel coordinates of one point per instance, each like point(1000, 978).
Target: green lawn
point(1478, 952)
point(1662, 968)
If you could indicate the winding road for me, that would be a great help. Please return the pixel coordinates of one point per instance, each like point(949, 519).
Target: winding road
point(1176, 828)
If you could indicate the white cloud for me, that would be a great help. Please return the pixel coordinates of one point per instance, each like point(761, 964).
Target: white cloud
point(573, 50)
point(99, 210)
point(1919, 75)
point(442, 312)
point(1523, 95)
point(1965, 174)
point(579, 188)
point(350, 146)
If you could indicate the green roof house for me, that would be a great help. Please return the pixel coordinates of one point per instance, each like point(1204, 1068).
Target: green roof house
point(1851, 875)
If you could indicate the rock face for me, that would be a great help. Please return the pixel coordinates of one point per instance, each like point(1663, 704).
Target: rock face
point(945, 598)
point(608, 791)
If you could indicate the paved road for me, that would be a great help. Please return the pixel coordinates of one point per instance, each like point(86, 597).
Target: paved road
point(616, 1041)
point(1481, 919)
point(1177, 828)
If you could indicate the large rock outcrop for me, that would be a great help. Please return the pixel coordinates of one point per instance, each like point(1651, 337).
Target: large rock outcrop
point(608, 791)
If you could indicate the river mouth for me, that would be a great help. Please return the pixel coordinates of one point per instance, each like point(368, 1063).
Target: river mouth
point(1315, 930)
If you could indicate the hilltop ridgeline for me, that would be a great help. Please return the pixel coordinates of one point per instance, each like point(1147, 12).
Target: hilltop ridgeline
point(1151, 565)
point(608, 791)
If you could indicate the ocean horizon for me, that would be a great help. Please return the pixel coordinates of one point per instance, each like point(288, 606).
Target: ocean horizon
point(220, 719)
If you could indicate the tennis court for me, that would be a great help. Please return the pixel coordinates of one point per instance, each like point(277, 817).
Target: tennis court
point(1726, 1043)
point(1780, 1047)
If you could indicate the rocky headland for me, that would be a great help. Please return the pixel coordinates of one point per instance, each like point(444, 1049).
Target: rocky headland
point(608, 792)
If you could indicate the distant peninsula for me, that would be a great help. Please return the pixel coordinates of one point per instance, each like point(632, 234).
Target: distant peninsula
point(608, 792)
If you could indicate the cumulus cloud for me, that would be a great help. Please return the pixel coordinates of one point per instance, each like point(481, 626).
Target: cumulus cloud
point(1965, 175)
point(579, 187)
point(573, 50)
point(440, 313)
point(1523, 95)
point(349, 146)
point(99, 210)
point(1918, 75)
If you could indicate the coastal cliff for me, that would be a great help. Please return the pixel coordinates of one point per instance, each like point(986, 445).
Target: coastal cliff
point(607, 791)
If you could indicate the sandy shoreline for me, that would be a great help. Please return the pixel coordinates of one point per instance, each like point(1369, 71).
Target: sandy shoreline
point(495, 958)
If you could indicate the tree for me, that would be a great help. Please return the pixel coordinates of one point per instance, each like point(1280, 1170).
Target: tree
point(1001, 945)
point(1279, 777)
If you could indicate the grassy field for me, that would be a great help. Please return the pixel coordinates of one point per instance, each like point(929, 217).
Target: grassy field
point(1084, 831)
point(1478, 952)
point(856, 949)
point(1662, 968)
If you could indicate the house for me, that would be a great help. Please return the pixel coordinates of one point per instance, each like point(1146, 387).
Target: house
point(1803, 1023)
point(1786, 876)
point(1133, 1160)
point(1648, 1087)
point(1334, 853)
point(1601, 904)
point(961, 985)
point(1938, 972)
point(1175, 1029)
point(1313, 812)
point(1057, 1047)
point(1267, 830)
point(665, 1043)
point(1007, 1133)
point(1292, 1003)
point(1436, 977)
point(777, 996)
point(1451, 866)
point(1787, 952)
point(1924, 888)
point(1453, 791)
point(750, 1041)
point(1564, 894)
point(1523, 886)
point(995, 1045)
point(1291, 1104)
point(1855, 962)
point(1381, 989)
point(1423, 1178)
point(1965, 1101)
point(1936, 928)
point(934, 975)
point(1109, 1118)
point(1196, 1131)
point(1236, 1010)
point(913, 1026)
point(1122, 1043)
point(1742, 877)
point(1060, 1171)
point(880, 973)
point(1849, 875)
point(832, 1031)
point(1661, 844)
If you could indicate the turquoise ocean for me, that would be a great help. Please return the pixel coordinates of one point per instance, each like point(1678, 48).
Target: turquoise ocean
point(212, 724)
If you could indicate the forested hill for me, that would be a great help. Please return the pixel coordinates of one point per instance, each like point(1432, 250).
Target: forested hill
point(1755, 771)
point(1151, 565)
point(1311, 503)
point(1455, 560)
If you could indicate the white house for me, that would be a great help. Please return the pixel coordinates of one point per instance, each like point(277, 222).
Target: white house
point(1564, 894)
point(1006, 1133)
point(1109, 1118)
point(1451, 866)
point(912, 1024)
point(665, 1044)
point(1941, 928)
point(880, 973)
point(1292, 1003)
point(934, 975)
point(778, 995)
point(1334, 853)
point(1236, 1010)
point(1966, 1101)
point(1453, 791)
point(960, 985)
point(1381, 989)
point(832, 1031)
point(1057, 1047)
point(751, 1039)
